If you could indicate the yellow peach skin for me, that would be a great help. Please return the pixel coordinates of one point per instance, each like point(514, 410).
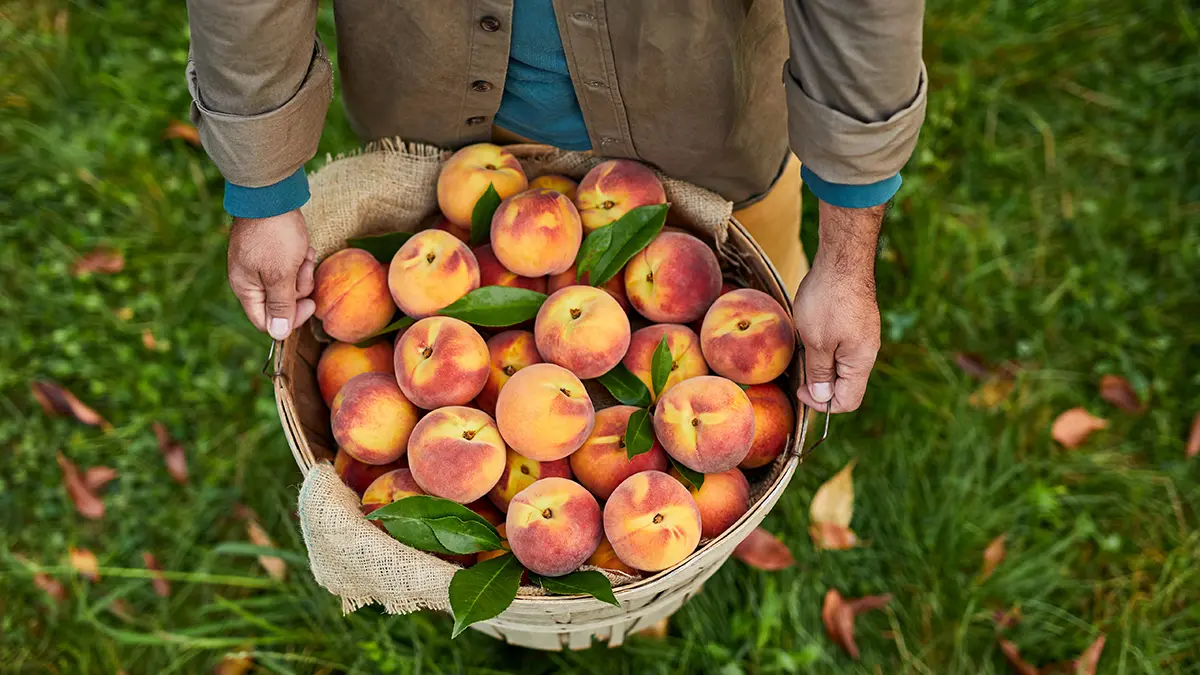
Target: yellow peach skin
point(614, 286)
point(460, 232)
point(536, 233)
point(466, 175)
point(441, 361)
point(612, 189)
point(774, 422)
point(492, 273)
point(606, 558)
point(673, 280)
point(456, 453)
point(705, 423)
point(373, 419)
point(582, 329)
point(431, 270)
point(390, 487)
point(722, 499)
point(553, 526)
point(358, 476)
point(603, 462)
point(652, 521)
point(520, 473)
point(687, 360)
point(748, 337)
point(561, 184)
point(350, 290)
point(508, 352)
point(341, 361)
point(544, 412)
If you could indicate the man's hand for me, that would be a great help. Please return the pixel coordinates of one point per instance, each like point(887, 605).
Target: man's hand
point(836, 312)
point(271, 271)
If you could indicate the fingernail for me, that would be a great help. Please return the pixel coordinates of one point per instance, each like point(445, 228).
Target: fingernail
point(821, 391)
point(278, 328)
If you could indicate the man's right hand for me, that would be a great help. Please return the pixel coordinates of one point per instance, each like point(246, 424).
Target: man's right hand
point(271, 271)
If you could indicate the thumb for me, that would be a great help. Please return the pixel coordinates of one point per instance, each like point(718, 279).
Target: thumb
point(819, 373)
point(280, 305)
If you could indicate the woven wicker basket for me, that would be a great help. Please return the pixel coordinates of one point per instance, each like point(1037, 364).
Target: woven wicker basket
point(558, 622)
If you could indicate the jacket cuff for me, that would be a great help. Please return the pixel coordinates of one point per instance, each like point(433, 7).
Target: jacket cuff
point(844, 150)
point(288, 194)
point(851, 196)
point(264, 149)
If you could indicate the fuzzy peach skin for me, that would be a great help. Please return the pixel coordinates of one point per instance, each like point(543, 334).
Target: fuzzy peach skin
point(390, 487)
point(705, 423)
point(441, 361)
point(508, 352)
point(460, 232)
point(699, 323)
point(487, 510)
point(603, 462)
point(605, 557)
point(774, 421)
point(560, 184)
point(582, 329)
point(431, 270)
point(614, 286)
point(492, 273)
point(673, 280)
point(536, 233)
point(687, 361)
point(748, 337)
point(652, 521)
point(544, 413)
point(456, 453)
point(373, 419)
point(350, 289)
point(342, 360)
point(722, 499)
point(553, 526)
point(466, 175)
point(358, 476)
point(613, 188)
point(520, 473)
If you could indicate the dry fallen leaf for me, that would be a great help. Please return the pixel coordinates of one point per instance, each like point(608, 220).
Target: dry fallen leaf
point(234, 664)
point(1117, 391)
point(120, 609)
point(56, 400)
point(1006, 619)
point(1072, 427)
point(182, 131)
point(162, 587)
point(51, 586)
point(1013, 655)
point(831, 510)
point(1087, 662)
point(84, 562)
point(102, 260)
point(149, 341)
point(98, 476)
point(991, 394)
point(275, 567)
point(86, 502)
point(833, 537)
point(763, 550)
point(837, 613)
point(972, 364)
point(173, 455)
point(1193, 443)
point(993, 555)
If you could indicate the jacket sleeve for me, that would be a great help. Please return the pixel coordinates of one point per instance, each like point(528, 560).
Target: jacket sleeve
point(261, 83)
point(856, 86)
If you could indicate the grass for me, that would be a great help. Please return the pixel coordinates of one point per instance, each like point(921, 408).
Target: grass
point(1051, 215)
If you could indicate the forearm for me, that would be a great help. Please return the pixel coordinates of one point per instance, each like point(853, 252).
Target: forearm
point(848, 241)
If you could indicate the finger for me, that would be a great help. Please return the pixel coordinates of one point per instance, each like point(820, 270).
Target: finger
point(305, 280)
point(304, 311)
point(819, 374)
point(854, 363)
point(280, 304)
point(249, 292)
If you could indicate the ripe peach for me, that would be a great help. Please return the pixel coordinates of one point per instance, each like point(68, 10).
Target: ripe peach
point(614, 286)
point(466, 175)
point(358, 476)
point(460, 232)
point(560, 184)
point(582, 329)
point(373, 419)
point(520, 473)
point(508, 352)
point(390, 487)
point(722, 499)
point(605, 557)
point(705, 423)
point(603, 462)
point(774, 421)
point(431, 270)
point(686, 359)
point(536, 233)
point(652, 521)
point(456, 453)
point(544, 413)
point(673, 280)
point(504, 547)
point(441, 361)
point(492, 273)
point(699, 323)
point(748, 337)
point(342, 360)
point(488, 511)
point(553, 526)
point(351, 293)
point(613, 188)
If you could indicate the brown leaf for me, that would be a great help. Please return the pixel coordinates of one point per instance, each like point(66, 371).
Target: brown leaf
point(832, 537)
point(149, 341)
point(102, 260)
point(51, 586)
point(98, 476)
point(833, 504)
point(162, 587)
point(763, 550)
point(56, 400)
point(1193, 443)
point(1013, 655)
point(173, 454)
point(182, 131)
point(275, 567)
point(838, 614)
point(1087, 662)
point(86, 502)
point(1072, 427)
point(1117, 391)
point(991, 394)
point(84, 562)
point(1006, 619)
point(120, 609)
point(972, 364)
point(993, 555)
point(234, 664)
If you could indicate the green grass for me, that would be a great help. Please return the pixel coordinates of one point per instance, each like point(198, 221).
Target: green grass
point(1051, 215)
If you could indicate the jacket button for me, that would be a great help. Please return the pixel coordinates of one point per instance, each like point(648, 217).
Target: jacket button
point(473, 121)
point(481, 85)
point(490, 23)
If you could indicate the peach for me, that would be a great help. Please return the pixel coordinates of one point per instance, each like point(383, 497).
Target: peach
point(613, 188)
point(603, 462)
point(606, 558)
point(652, 521)
point(536, 233)
point(358, 476)
point(560, 184)
point(544, 413)
point(774, 422)
point(390, 487)
point(673, 280)
point(553, 526)
point(373, 419)
point(722, 499)
point(492, 273)
point(431, 270)
point(699, 323)
point(748, 337)
point(504, 547)
point(520, 473)
point(582, 329)
point(466, 175)
point(686, 358)
point(487, 511)
point(342, 360)
point(614, 286)
point(350, 290)
point(508, 352)
point(705, 423)
point(441, 361)
point(460, 232)
point(456, 453)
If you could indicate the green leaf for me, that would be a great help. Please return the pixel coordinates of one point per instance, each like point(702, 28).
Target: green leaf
point(496, 306)
point(383, 247)
point(437, 525)
point(593, 248)
point(398, 324)
point(590, 583)
point(639, 433)
point(694, 477)
point(481, 216)
point(660, 366)
point(631, 233)
point(625, 386)
point(482, 591)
